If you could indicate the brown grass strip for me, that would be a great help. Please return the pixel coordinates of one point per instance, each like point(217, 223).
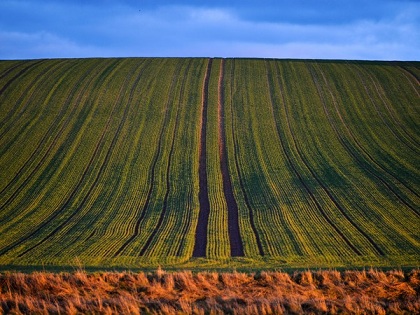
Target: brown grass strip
point(307, 292)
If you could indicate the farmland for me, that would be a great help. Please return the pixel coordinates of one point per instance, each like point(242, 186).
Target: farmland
point(209, 163)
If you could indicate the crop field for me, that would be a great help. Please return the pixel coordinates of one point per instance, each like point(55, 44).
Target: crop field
point(209, 163)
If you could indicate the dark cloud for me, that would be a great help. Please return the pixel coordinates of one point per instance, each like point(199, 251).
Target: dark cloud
point(282, 29)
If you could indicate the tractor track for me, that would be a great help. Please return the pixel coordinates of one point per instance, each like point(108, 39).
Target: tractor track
point(203, 197)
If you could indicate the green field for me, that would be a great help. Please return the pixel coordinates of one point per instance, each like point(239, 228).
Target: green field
point(209, 163)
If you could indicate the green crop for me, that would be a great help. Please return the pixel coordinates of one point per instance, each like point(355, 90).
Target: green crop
point(209, 163)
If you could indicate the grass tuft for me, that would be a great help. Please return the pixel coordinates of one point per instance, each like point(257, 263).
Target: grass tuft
point(267, 292)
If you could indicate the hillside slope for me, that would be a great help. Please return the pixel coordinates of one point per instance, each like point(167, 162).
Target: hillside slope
point(209, 162)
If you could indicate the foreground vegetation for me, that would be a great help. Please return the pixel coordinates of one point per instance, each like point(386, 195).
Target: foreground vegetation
point(320, 292)
point(210, 163)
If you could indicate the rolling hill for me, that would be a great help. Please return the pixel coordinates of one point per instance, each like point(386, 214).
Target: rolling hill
point(197, 162)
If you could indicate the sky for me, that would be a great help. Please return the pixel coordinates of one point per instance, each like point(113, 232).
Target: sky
point(309, 29)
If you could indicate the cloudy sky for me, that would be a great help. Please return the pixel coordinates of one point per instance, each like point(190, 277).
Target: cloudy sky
point(326, 29)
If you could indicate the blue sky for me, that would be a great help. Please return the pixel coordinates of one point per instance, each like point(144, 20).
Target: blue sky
point(326, 29)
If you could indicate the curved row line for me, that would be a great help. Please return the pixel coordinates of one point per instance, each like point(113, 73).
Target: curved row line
point(380, 91)
point(10, 69)
point(314, 175)
point(91, 215)
point(238, 170)
point(200, 244)
point(333, 199)
point(55, 139)
point(235, 239)
point(168, 182)
point(42, 142)
point(117, 197)
point(352, 152)
point(62, 208)
point(270, 79)
point(99, 172)
point(7, 123)
point(413, 75)
point(116, 138)
point(369, 156)
point(152, 172)
point(187, 225)
point(18, 129)
point(45, 138)
point(11, 80)
point(402, 140)
point(120, 194)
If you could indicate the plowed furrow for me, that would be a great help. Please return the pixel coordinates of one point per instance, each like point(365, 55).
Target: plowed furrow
point(203, 215)
point(414, 76)
point(27, 99)
point(11, 80)
point(235, 239)
point(6, 72)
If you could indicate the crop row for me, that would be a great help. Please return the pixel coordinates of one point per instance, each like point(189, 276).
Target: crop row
point(142, 160)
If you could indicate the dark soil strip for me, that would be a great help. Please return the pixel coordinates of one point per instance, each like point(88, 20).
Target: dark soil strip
point(152, 173)
point(236, 247)
point(98, 174)
point(203, 216)
point(63, 207)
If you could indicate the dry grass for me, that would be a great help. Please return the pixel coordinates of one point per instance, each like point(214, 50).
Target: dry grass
point(320, 292)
